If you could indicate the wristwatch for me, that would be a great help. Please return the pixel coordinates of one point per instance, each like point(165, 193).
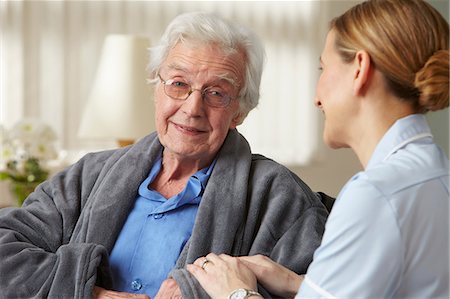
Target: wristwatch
point(243, 293)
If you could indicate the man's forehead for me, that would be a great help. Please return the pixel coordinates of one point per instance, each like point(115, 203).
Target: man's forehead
point(229, 69)
point(218, 75)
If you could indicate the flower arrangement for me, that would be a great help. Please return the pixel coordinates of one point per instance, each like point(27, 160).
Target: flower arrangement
point(24, 154)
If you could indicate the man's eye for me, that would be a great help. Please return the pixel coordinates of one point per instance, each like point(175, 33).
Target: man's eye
point(178, 84)
point(216, 93)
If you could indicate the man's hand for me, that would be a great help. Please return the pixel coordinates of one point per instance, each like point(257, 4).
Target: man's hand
point(100, 293)
point(169, 290)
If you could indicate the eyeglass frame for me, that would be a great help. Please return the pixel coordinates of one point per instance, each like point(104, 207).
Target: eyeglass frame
point(191, 90)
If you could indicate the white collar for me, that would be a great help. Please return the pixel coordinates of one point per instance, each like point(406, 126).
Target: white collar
point(404, 131)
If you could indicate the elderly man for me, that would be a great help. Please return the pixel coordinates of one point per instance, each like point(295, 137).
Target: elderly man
point(121, 222)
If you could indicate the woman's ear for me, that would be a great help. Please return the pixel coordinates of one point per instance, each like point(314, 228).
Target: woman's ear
point(363, 70)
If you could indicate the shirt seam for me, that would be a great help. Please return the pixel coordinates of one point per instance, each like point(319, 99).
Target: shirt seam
point(385, 198)
point(317, 288)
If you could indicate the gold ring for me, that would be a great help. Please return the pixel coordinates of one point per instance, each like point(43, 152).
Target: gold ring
point(204, 263)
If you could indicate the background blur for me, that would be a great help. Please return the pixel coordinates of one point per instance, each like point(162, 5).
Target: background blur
point(50, 52)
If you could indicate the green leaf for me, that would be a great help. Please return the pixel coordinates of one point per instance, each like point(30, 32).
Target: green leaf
point(4, 176)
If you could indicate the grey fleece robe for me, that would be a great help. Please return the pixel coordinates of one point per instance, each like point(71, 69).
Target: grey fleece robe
point(57, 244)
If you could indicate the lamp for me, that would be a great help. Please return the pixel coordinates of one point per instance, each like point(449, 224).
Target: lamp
point(120, 104)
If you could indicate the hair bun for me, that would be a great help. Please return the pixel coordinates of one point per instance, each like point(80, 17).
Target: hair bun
point(432, 81)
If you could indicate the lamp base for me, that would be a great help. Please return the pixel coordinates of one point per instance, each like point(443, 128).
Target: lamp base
point(125, 142)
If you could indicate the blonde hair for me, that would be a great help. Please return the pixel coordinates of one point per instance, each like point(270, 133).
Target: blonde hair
point(408, 42)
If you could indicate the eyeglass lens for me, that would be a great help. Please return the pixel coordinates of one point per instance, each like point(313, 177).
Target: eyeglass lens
point(213, 96)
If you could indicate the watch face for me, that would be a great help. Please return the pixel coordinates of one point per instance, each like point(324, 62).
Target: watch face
point(239, 294)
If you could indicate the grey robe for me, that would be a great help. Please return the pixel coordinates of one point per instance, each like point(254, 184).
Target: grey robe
point(57, 244)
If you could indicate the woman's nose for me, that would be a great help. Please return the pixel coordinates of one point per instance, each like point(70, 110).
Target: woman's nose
point(317, 102)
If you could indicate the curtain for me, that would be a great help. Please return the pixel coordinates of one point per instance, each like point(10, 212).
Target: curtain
point(50, 50)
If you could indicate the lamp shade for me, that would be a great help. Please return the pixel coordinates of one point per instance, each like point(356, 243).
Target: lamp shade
point(120, 104)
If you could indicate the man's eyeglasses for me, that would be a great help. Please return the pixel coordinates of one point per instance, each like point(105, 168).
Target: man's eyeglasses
point(179, 90)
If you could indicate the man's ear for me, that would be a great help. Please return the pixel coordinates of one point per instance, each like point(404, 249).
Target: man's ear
point(237, 120)
point(363, 71)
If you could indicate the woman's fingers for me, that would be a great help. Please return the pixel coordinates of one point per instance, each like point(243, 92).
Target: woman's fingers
point(221, 274)
point(276, 278)
point(259, 264)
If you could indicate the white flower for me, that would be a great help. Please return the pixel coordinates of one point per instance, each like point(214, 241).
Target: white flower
point(29, 138)
point(47, 134)
point(6, 154)
point(31, 130)
point(43, 151)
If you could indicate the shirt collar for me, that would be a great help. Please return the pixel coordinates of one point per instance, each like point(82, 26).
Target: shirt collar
point(402, 132)
point(191, 194)
point(202, 175)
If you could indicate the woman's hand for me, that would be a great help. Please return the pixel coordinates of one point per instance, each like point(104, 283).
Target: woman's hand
point(275, 278)
point(221, 274)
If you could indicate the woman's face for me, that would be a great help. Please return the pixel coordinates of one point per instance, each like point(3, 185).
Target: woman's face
point(334, 94)
point(190, 128)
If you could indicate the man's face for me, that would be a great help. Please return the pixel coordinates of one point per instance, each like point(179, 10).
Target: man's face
point(190, 128)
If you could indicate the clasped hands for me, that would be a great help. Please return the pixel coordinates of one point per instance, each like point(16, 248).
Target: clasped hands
point(221, 274)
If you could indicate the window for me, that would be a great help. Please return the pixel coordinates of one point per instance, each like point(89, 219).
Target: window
point(50, 50)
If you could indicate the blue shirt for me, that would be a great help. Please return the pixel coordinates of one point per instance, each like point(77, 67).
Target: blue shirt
point(154, 234)
point(388, 233)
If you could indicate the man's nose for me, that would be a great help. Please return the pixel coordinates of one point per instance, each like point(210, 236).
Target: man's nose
point(193, 105)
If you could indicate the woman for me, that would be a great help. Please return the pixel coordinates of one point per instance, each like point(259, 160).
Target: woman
point(385, 64)
point(117, 222)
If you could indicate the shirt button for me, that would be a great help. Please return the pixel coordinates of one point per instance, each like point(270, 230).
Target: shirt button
point(136, 285)
point(158, 216)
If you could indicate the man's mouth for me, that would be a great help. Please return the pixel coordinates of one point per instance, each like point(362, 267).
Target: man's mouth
point(188, 129)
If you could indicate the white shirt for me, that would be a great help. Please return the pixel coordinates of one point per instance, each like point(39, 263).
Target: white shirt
point(388, 233)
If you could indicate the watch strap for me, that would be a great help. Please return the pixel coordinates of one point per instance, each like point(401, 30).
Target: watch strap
point(252, 293)
point(247, 293)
